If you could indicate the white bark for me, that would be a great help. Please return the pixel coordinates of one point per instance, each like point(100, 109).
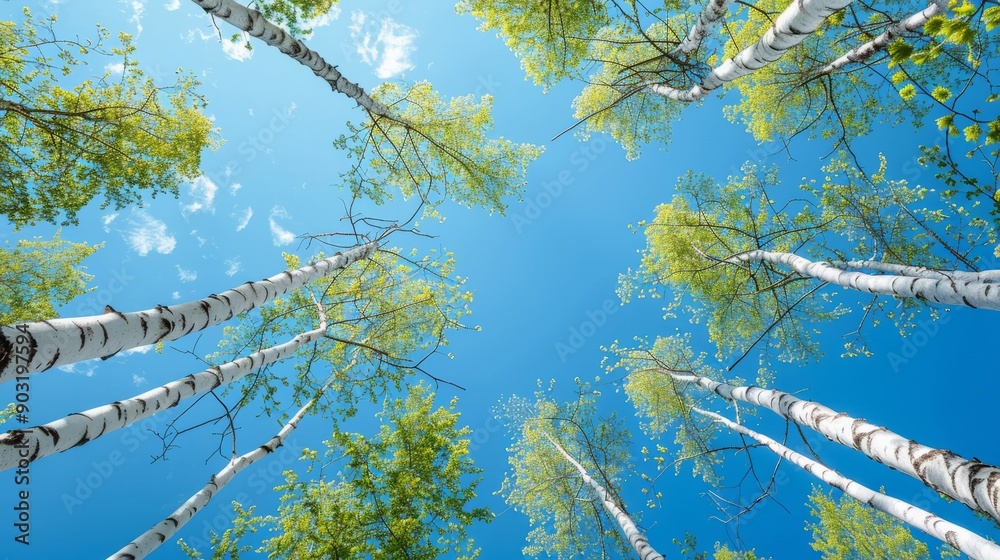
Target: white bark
point(951, 292)
point(958, 537)
point(35, 347)
point(253, 23)
point(972, 482)
point(985, 276)
point(149, 541)
point(712, 13)
point(800, 19)
point(79, 428)
point(908, 25)
point(635, 538)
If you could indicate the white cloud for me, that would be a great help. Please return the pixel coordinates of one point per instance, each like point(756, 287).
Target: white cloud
point(138, 7)
point(138, 380)
point(321, 20)
point(114, 68)
point(137, 350)
point(172, 5)
point(236, 50)
point(235, 186)
point(107, 219)
point(280, 235)
point(202, 191)
point(187, 275)
point(245, 219)
point(175, 296)
point(86, 368)
point(389, 50)
point(146, 234)
point(234, 267)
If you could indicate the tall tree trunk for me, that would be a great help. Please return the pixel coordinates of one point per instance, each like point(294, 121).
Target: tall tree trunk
point(35, 347)
point(250, 21)
point(986, 276)
point(149, 541)
point(908, 25)
point(712, 13)
point(76, 429)
point(947, 291)
point(635, 538)
point(971, 482)
point(958, 537)
point(800, 19)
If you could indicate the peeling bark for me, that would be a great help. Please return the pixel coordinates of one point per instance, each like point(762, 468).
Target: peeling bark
point(65, 341)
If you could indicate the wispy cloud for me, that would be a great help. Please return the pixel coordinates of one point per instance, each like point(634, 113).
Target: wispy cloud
point(138, 380)
point(237, 50)
point(107, 219)
point(234, 266)
point(244, 219)
point(137, 350)
point(175, 296)
point(280, 235)
point(138, 7)
point(114, 68)
point(389, 49)
point(202, 191)
point(86, 368)
point(172, 5)
point(146, 234)
point(187, 275)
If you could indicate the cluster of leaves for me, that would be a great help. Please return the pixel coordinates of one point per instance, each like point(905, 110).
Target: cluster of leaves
point(381, 313)
point(402, 493)
point(566, 519)
point(119, 135)
point(297, 16)
point(431, 149)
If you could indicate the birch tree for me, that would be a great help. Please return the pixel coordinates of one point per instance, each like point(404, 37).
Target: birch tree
point(33, 347)
point(754, 265)
point(566, 519)
point(118, 135)
point(971, 482)
point(411, 139)
point(366, 325)
point(956, 536)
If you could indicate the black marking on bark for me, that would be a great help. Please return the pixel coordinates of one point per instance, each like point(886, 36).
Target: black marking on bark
point(118, 408)
point(144, 324)
point(7, 351)
point(54, 434)
point(83, 336)
point(52, 362)
point(165, 328)
point(966, 300)
point(987, 290)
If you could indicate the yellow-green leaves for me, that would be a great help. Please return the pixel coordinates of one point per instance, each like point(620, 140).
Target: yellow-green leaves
point(297, 16)
point(432, 149)
point(120, 136)
point(37, 275)
point(551, 38)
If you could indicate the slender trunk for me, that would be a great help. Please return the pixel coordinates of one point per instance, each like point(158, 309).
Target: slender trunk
point(149, 541)
point(973, 483)
point(250, 21)
point(986, 276)
point(635, 538)
point(35, 347)
point(951, 292)
point(956, 536)
point(908, 25)
point(20, 446)
point(800, 19)
point(712, 13)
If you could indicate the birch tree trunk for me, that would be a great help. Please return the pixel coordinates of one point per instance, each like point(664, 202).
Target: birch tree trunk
point(958, 537)
point(800, 19)
point(252, 22)
point(986, 276)
point(712, 13)
point(908, 25)
point(35, 347)
point(149, 541)
point(944, 290)
point(635, 538)
point(31, 444)
point(971, 482)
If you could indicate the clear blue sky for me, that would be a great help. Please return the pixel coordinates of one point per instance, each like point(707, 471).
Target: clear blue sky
point(536, 273)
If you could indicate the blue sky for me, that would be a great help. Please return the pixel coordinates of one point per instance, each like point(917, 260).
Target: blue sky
point(541, 271)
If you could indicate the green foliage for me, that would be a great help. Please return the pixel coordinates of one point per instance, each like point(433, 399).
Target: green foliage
point(7, 413)
point(689, 548)
point(37, 275)
point(566, 520)
point(850, 530)
point(550, 38)
point(432, 149)
point(297, 16)
point(403, 493)
point(383, 314)
point(120, 136)
point(227, 545)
